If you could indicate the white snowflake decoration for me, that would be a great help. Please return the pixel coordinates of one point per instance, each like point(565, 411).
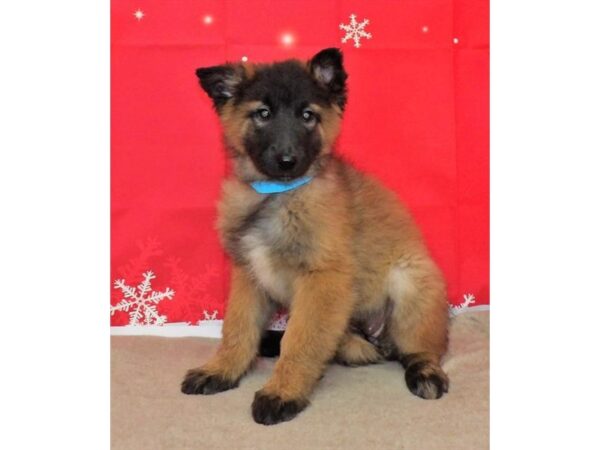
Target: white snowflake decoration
point(207, 316)
point(140, 302)
point(355, 30)
point(468, 300)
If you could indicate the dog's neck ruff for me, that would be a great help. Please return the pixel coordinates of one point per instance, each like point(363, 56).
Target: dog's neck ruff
point(277, 187)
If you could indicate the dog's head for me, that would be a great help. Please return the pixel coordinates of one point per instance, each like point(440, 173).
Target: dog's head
point(279, 119)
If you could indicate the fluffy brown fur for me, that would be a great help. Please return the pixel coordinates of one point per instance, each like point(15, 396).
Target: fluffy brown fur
point(336, 252)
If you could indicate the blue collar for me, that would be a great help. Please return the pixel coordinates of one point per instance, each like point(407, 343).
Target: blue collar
point(276, 187)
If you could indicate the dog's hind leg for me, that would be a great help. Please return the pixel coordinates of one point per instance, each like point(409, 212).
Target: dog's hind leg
point(354, 350)
point(418, 325)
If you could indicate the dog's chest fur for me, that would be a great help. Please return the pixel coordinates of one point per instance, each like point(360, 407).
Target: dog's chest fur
point(274, 240)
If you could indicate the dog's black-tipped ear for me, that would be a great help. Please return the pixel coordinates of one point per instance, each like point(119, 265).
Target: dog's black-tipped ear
point(328, 69)
point(220, 82)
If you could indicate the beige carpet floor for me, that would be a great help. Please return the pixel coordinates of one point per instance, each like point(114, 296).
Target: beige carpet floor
point(352, 408)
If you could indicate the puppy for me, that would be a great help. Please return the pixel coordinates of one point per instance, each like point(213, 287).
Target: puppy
point(307, 231)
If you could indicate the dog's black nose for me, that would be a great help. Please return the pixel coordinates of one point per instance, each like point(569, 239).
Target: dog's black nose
point(286, 162)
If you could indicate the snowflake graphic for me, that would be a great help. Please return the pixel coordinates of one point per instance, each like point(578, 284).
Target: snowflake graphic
point(468, 299)
point(207, 316)
point(140, 302)
point(195, 291)
point(355, 30)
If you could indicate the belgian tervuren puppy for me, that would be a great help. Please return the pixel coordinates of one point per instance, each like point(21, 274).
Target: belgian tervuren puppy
point(307, 231)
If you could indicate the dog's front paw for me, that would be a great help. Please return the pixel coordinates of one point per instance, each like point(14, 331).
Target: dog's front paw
point(198, 382)
point(270, 409)
point(426, 381)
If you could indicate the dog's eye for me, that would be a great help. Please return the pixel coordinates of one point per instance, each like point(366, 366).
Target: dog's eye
point(263, 114)
point(308, 116)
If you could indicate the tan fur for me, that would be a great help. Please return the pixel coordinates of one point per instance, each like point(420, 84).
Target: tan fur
point(308, 344)
point(247, 312)
point(351, 247)
point(334, 251)
point(354, 350)
point(235, 123)
point(329, 128)
point(249, 69)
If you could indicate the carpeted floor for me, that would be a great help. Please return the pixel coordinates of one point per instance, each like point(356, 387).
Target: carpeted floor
point(352, 408)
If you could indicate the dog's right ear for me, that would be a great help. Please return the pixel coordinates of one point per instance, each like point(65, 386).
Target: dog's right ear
point(220, 82)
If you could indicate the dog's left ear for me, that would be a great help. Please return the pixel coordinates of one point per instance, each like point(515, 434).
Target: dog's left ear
point(328, 69)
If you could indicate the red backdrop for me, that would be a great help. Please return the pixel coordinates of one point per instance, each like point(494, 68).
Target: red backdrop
point(417, 118)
